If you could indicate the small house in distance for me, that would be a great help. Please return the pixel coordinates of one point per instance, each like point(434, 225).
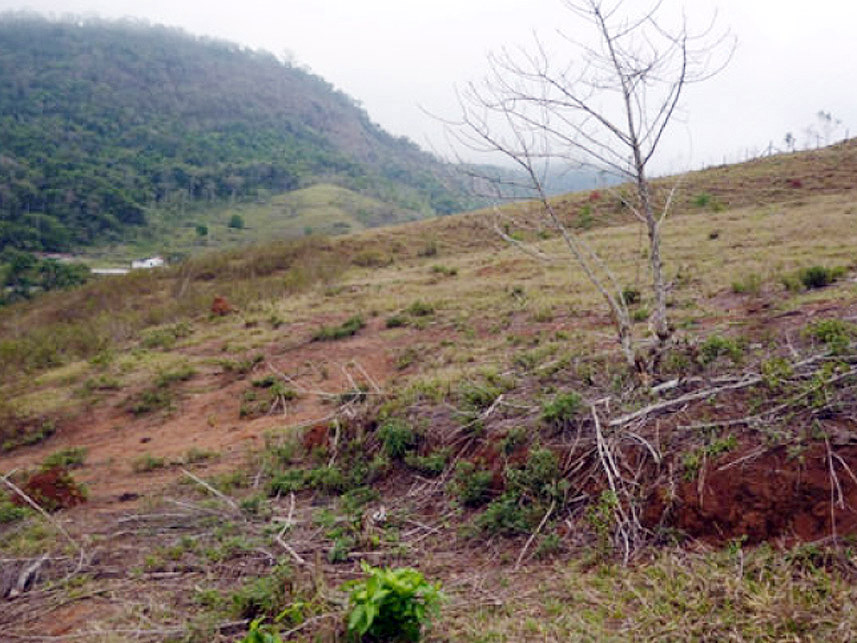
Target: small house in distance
point(151, 262)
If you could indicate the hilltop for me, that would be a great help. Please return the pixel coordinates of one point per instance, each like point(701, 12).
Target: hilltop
point(425, 395)
point(110, 128)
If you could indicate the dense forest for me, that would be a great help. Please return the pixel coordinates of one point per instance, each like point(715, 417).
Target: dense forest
point(102, 121)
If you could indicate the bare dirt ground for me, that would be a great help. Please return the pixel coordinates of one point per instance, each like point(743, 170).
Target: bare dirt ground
point(207, 415)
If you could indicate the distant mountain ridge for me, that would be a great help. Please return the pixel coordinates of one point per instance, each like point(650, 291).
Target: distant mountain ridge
point(102, 121)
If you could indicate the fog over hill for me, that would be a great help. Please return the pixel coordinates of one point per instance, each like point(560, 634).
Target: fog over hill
point(102, 122)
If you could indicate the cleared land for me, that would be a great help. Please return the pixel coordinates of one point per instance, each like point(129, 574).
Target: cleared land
point(243, 464)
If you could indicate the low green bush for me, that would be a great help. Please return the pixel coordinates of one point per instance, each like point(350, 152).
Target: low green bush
point(716, 346)
point(396, 437)
point(561, 410)
point(834, 333)
point(348, 328)
point(472, 486)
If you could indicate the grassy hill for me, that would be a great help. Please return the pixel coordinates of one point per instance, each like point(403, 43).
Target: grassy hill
point(106, 126)
point(424, 395)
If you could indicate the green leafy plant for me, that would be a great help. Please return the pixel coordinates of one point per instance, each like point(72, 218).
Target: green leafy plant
point(391, 604)
point(259, 633)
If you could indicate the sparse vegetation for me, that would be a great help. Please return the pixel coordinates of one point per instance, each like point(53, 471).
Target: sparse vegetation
point(483, 446)
point(147, 462)
point(397, 438)
point(348, 328)
point(561, 410)
point(470, 484)
point(749, 284)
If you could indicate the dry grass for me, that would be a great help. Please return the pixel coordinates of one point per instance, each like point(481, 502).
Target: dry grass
point(498, 319)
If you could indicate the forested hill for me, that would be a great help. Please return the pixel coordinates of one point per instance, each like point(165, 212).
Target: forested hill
point(102, 121)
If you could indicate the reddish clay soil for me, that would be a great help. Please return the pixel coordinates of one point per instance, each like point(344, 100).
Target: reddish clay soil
point(53, 488)
point(207, 415)
point(768, 496)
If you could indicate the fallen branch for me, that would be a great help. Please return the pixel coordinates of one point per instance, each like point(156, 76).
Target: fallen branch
point(690, 397)
point(534, 534)
point(5, 480)
point(229, 501)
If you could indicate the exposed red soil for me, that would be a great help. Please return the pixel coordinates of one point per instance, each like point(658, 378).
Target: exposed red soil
point(221, 306)
point(773, 495)
point(206, 416)
point(53, 488)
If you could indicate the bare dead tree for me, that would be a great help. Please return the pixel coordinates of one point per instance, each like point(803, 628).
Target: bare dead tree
point(606, 105)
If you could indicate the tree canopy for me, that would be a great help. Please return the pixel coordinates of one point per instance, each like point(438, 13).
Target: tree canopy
point(100, 121)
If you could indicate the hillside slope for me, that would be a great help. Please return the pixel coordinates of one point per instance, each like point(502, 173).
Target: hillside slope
point(100, 122)
point(426, 395)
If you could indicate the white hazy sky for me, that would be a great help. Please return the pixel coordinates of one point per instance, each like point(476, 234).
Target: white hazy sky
point(400, 57)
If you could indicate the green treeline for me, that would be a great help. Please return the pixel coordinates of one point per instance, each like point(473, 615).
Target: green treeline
point(23, 274)
point(100, 121)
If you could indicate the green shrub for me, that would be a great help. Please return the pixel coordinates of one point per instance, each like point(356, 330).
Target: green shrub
point(430, 465)
point(286, 482)
point(631, 296)
point(10, 512)
point(264, 596)
point(391, 604)
point(66, 458)
point(420, 309)
point(396, 437)
point(236, 222)
point(470, 485)
point(147, 462)
point(834, 333)
point(327, 479)
point(444, 270)
point(750, 284)
point(819, 276)
point(478, 397)
point(179, 374)
point(539, 479)
point(396, 321)
point(166, 336)
point(562, 409)
point(640, 314)
point(259, 633)
point(20, 433)
point(348, 328)
point(702, 200)
point(716, 346)
point(505, 516)
point(370, 259)
point(151, 399)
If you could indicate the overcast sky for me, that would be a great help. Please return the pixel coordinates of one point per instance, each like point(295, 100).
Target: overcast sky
point(400, 57)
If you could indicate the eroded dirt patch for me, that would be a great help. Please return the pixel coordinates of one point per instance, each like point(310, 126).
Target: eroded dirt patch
point(766, 496)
